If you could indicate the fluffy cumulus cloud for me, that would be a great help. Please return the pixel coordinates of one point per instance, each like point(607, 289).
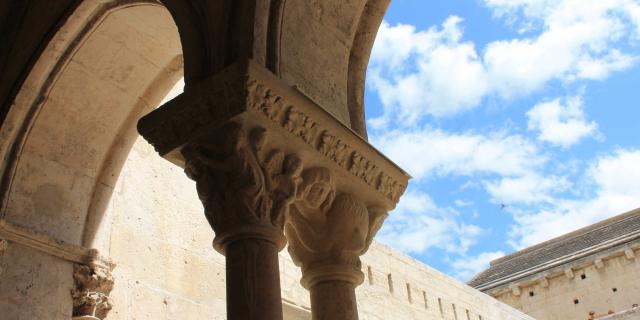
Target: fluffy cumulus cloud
point(469, 265)
point(560, 122)
point(579, 40)
point(435, 72)
point(616, 181)
point(419, 224)
point(528, 189)
point(431, 152)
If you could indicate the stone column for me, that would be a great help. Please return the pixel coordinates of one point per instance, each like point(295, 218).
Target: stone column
point(255, 146)
point(245, 192)
point(327, 234)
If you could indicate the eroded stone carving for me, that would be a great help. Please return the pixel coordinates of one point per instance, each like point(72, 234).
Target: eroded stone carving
point(333, 148)
point(239, 182)
point(303, 126)
point(91, 293)
point(328, 230)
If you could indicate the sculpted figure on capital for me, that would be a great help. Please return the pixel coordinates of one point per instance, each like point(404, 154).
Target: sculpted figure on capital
point(239, 183)
point(328, 230)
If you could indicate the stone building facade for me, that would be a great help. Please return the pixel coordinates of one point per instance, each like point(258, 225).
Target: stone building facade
point(266, 146)
point(591, 273)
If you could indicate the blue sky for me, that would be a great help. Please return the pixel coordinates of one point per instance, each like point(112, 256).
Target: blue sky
point(516, 118)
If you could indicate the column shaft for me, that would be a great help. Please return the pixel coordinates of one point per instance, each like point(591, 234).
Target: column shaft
point(253, 280)
point(334, 300)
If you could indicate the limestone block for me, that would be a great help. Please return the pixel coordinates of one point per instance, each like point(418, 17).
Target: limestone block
point(31, 281)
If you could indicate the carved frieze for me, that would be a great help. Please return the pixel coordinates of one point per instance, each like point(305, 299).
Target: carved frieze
point(327, 143)
point(239, 181)
point(92, 285)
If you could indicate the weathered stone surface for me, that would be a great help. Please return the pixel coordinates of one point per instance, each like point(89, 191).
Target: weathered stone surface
point(92, 285)
point(159, 230)
point(30, 281)
point(247, 94)
point(71, 128)
point(586, 273)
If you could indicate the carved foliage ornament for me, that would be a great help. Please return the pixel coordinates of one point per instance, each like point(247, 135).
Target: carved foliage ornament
point(238, 181)
point(326, 228)
point(274, 107)
point(91, 293)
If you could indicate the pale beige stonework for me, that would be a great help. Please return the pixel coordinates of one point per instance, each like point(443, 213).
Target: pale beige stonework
point(611, 283)
point(83, 238)
point(166, 268)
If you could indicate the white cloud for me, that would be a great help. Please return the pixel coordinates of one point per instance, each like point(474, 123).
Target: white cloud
point(527, 189)
point(561, 123)
point(616, 178)
point(418, 224)
point(467, 266)
point(435, 72)
point(578, 41)
point(428, 72)
point(424, 153)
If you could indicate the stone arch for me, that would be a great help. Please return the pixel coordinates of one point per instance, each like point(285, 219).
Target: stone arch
point(71, 124)
point(67, 135)
point(110, 63)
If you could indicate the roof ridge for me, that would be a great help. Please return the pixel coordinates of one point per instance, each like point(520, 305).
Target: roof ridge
point(584, 230)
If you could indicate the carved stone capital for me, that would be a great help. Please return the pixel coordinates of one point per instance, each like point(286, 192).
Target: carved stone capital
point(92, 285)
point(246, 188)
point(243, 136)
point(328, 230)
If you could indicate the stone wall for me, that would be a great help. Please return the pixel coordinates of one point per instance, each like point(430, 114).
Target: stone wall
point(167, 269)
point(590, 287)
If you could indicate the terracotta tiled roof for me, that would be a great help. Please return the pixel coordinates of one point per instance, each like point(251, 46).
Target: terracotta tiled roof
point(558, 248)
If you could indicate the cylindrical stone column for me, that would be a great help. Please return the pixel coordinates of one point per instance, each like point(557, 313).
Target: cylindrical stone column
point(253, 280)
point(333, 291)
point(334, 300)
point(245, 194)
point(252, 271)
point(327, 233)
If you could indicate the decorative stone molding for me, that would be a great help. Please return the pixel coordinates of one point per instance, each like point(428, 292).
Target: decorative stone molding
point(598, 263)
point(92, 285)
point(544, 282)
point(51, 246)
point(329, 230)
point(629, 253)
point(515, 290)
point(241, 184)
point(569, 273)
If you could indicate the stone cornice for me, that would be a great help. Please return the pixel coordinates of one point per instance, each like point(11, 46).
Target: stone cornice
point(565, 265)
point(249, 94)
point(52, 246)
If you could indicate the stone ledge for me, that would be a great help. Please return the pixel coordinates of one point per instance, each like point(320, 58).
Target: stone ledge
point(52, 246)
